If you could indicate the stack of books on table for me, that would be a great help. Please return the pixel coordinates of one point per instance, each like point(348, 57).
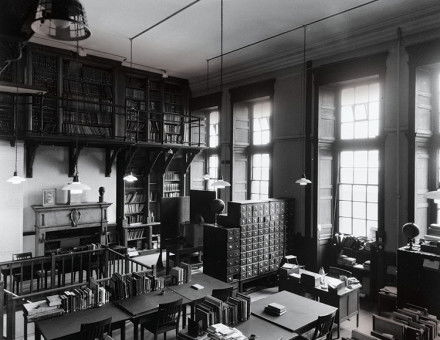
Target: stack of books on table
point(212, 311)
point(125, 286)
point(275, 309)
point(177, 276)
point(220, 331)
point(38, 309)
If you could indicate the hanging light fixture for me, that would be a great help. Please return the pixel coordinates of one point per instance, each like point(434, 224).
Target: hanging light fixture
point(15, 179)
point(76, 187)
point(130, 178)
point(61, 19)
point(303, 181)
point(220, 183)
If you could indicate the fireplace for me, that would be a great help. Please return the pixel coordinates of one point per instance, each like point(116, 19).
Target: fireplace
point(67, 226)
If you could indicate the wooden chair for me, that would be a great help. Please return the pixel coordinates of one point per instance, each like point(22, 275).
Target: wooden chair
point(96, 330)
point(338, 272)
point(222, 294)
point(164, 320)
point(323, 328)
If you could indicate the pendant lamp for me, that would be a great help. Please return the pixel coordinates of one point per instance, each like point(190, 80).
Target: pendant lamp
point(303, 181)
point(15, 179)
point(76, 187)
point(220, 184)
point(130, 178)
point(61, 19)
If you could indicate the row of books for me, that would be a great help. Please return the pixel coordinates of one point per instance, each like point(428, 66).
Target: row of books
point(171, 194)
point(172, 129)
point(134, 234)
point(125, 286)
point(212, 310)
point(180, 275)
point(80, 299)
point(136, 94)
point(86, 130)
point(135, 197)
point(171, 187)
point(138, 218)
point(96, 117)
point(87, 74)
point(171, 176)
point(172, 138)
point(134, 208)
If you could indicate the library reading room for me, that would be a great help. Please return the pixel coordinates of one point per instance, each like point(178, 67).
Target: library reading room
point(220, 169)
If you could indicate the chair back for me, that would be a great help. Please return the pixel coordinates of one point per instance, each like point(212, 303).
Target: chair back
point(168, 315)
point(222, 294)
point(21, 256)
point(338, 272)
point(324, 326)
point(95, 330)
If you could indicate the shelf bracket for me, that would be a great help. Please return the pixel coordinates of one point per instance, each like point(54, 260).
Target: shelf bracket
point(189, 157)
point(74, 152)
point(168, 157)
point(153, 157)
point(129, 158)
point(110, 156)
point(30, 151)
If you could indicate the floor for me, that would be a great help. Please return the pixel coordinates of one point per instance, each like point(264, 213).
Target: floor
point(365, 320)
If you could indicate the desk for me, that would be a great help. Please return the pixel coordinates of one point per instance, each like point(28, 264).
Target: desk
point(301, 314)
point(345, 299)
point(264, 329)
point(193, 295)
point(141, 306)
point(178, 251)
point(68, 326)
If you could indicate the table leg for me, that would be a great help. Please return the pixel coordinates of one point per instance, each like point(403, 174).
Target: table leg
point(135, 330)
point(193, 310)
point(25, 328)
point(184, 316)
point(123, 331)
point(37, 333)
point(357, 319)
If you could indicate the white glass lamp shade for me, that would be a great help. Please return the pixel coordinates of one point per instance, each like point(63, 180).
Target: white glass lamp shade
point(130, 178)
point(76, 187)
point(220, 184)
point(433, 195)
point(303, 181)
point(15, 179)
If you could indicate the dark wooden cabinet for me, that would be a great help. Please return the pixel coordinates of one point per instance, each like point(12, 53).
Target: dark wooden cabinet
point(418, 279)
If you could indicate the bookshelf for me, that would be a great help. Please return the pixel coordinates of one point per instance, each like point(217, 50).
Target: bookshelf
point(136, 101)
point(6, 114)
point(173, 111)
point(87, 100)
point(155, 109)
point(45, 76)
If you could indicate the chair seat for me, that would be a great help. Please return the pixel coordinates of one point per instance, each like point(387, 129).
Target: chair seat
point(151, 325)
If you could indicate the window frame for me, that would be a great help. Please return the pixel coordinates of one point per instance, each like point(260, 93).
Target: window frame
point(366, 144)
point(211, 151)
point(252, 149)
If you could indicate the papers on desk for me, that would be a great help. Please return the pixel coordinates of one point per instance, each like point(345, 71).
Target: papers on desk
point(220, 331)
point(197, 286)
point(39, 308)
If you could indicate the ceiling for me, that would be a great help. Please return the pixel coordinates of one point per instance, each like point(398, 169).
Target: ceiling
point(182, 44)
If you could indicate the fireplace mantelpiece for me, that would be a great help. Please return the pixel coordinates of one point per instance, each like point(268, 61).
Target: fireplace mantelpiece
point(74, 220)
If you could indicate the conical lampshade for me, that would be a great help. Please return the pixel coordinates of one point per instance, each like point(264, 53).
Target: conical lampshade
point(16, 179)
point(76, 187)
point(303, 181)
point(220, 184)
point(130, 178)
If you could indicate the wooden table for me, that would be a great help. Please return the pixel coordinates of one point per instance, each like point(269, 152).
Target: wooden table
point(178, 251)
point(193, 295)
point(264, 329)
point(68, 326)
point(301, 314)
point(345, 299)
point(140, 307)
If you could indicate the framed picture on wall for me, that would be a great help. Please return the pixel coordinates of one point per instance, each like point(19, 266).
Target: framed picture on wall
point(49, 196)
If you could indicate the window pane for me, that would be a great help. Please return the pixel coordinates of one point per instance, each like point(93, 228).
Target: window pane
point(359, 193)
point(359, 227)
point(260, 123)
point(360, 159)
point(213, 129)
point(359, 210)
point(346, 159)
point(347, 131)
point(361, 130)
point(372, 193)
point(360, 176)
point(345, 225)
point(372, 211)
point(374, 92)
point(373, 110)
point(373, 130)
point(260, 176)
point(345, 192)
point(346, 114)
point(346, 175)
point(360, 112)
point(347, 96)
point(345, 209)
point(361, 94)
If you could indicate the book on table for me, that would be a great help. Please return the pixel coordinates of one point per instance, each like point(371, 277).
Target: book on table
point(275, 309)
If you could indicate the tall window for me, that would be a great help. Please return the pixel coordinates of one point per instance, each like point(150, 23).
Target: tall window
point(358, 175)
point(212, 161)
point(259, 157)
